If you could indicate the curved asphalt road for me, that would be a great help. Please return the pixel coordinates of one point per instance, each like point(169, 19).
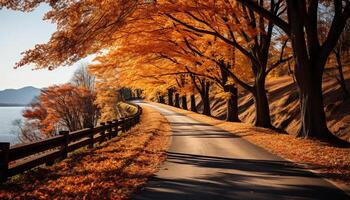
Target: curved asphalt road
point(205, 162)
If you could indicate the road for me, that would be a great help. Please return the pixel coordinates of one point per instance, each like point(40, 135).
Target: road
point(207, 163)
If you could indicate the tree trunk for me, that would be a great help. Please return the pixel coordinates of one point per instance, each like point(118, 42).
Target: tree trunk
point(184, 102)
point(170, 97)
point(177, 100)
point(205, 99)
point(312, 112)
point(206, 105)
point(138, 93)
point(310, 61)
point(341, 79)
point(232, 105)
point(232, 102)
point(313, 118)
point(262, 110)
point(193, 103)
point(161, 99)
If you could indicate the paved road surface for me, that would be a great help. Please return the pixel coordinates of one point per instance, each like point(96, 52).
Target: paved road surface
point(205, 162)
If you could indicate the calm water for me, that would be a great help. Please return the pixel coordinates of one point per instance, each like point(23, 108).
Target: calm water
point(8, 132)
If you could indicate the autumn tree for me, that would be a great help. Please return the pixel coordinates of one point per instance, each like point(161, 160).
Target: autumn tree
point(310, 54)
point(239, 27)
point(83, 28)
point(88, 27)
point(63, 107)
point(28, 130)
point(31, 127)
point(56, 52)
point(107, 100)
point(82, 78)
point(175, 45)
point(159, 60)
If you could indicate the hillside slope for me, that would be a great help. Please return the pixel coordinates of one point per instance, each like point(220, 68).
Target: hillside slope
point(284, 105)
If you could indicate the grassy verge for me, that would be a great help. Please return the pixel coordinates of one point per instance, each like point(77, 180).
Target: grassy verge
point(113, 170)
point(329, 161)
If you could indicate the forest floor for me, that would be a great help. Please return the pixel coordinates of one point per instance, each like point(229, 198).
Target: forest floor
point(328, 161)
point(112, 170)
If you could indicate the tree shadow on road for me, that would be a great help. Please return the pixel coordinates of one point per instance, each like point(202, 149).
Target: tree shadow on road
point(239, 179)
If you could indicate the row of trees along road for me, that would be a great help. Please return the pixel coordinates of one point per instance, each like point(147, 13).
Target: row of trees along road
point(180, 47)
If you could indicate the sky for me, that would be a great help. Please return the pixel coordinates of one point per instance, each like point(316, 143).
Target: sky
point(20, 32)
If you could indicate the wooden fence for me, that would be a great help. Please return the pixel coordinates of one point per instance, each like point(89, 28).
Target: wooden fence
point(19, 158)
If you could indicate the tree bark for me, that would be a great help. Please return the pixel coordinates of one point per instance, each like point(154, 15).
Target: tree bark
point(232, 105)
point(313, 119)
point(262, 110)
point(184, 102)
point(310, 60)
point(177, 100)
point(232, 102)
point(310, 56)
point(170, 97)
point(161, 99)
point(203, 87)
point(206, 100)
point(193, 103)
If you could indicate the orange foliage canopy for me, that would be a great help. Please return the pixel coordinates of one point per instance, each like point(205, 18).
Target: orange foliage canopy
point(152, 52)
point(83, 28)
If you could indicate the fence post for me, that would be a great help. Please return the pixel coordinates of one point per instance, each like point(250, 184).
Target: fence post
point(131, 123)
point(138, 115)
point(65, 143)
point(122, 124)
point(91, 137)
point(116, 130)
point(4, 160)
point(103, 132)
point(134, 122)
point(127, 123)
point(118, 126)
point(110, 129)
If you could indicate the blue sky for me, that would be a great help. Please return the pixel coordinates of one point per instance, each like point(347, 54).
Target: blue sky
point(19, 32)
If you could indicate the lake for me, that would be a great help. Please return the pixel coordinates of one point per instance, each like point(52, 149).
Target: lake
point(7, 116)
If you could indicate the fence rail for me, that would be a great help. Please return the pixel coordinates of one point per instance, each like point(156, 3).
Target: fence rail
point(17, 159)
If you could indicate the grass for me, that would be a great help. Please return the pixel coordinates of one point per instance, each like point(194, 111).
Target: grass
point(329, 161)
point(113, 170)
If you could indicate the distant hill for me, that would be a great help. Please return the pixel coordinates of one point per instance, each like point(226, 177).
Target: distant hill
point(17, 97)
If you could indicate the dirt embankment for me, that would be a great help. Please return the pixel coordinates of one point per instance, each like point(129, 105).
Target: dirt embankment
point(112, 170)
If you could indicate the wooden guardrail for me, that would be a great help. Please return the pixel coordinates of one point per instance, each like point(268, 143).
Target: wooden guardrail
point(17, 159)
